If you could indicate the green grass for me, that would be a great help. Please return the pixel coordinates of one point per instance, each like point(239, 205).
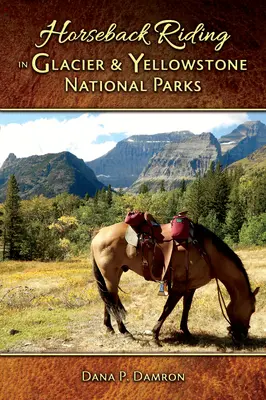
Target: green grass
point(41, 300)
point(33, 325)
point(56, 307)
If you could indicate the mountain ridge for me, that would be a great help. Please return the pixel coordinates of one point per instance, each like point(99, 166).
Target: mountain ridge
point(180, 161)
point(253, 163)
point(242, 141)
point(49, 174)
point(137, 159)
point(121, 166)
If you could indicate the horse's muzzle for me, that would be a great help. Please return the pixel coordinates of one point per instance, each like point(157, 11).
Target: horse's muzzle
point(238, 334)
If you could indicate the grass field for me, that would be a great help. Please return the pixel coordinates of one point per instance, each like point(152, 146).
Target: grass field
point(55, 307)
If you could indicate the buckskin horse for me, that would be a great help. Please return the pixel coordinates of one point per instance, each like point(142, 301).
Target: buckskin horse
point(205, 258)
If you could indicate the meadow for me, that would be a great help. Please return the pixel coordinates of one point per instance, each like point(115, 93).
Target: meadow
point(54, 307)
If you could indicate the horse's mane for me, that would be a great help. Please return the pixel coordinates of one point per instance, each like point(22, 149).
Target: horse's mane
point(202, 232)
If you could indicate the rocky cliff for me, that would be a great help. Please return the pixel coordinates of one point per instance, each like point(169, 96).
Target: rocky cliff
point(178, 161)
point(174, 156)
point(171, 157)
point(122, 166)
point(242, 141)
point(49, 175)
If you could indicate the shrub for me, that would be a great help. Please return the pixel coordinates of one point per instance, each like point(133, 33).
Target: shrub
point(253, 231)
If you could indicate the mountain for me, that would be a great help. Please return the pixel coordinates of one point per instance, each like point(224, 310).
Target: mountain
point(171, 157)
point(178, 161)
point(242, 141)
point(255, 163)
point(49, 175)
point(154, 157)
point(121, 166)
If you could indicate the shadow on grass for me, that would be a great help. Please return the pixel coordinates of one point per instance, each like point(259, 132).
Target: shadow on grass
point(205, 340)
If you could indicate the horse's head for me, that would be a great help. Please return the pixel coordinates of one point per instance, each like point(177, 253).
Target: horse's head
point(239, 316)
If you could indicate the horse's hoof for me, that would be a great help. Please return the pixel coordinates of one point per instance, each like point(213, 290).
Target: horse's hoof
point(128, 335)
point(110, 331)
point(184, 332)
point(157, 342)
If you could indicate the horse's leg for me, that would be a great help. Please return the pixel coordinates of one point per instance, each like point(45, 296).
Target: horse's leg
point(107, 278)
point(112, 283)
point(120, 324)
point(170, 304)
point(113, 288)
point(187, 300)
point(107, 320)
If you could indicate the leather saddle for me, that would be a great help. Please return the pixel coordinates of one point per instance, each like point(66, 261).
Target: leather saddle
point(156, 245)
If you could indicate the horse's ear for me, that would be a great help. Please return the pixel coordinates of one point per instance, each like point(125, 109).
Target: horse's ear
point(256, 291)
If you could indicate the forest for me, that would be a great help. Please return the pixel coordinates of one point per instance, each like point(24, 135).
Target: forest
point(228, 202)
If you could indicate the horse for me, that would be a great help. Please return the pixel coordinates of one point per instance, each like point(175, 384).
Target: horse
point(111, 257)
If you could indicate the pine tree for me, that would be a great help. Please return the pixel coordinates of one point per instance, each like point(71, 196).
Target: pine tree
point(87, 197)
point(143, 188)
point(183, 186)
point(1, 223)
point(12, 221)
point(220, 193)
point(109, 196)
point(194, 199)
point(102, 195)
point(162, 188)
point(96, 197)
point(216, 192)
point(235, 216)
point(1, 234)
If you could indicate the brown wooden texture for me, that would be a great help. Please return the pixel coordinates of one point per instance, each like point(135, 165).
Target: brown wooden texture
point(23, 20)
point(208, 377)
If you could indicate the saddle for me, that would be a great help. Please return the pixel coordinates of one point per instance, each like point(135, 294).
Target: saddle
point(156, 242)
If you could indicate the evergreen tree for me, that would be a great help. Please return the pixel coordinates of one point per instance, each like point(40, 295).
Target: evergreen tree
point(1, 234)
point(102, 195)
point(257, 195)
point(174, 203)
point(143, 188)
point(12, 221)
point(211, 222)
point(162, 188)
point(221, 190)
point(183, 186)
point(109, 196)
point(235, 216)
point(194, 199)
point(1, 223)
point(120, 192)
point(86, 197)
point(96, 197)
point(216, 192)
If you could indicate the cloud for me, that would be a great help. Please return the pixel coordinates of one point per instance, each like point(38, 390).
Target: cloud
point(132, 123)
point(44, 135)
point(93, 134)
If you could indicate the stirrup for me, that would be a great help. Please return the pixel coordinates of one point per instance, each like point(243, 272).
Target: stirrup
point(163, 290)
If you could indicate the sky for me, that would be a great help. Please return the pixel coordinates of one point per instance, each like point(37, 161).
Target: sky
point(90, 135)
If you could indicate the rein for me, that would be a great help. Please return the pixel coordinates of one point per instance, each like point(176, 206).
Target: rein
point(222, 302)
point(206, 258)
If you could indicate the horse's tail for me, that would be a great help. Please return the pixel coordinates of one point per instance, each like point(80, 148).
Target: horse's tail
point(114, 308)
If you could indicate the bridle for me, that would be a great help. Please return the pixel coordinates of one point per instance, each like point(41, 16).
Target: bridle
point(222, 303)
point(206, 258)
